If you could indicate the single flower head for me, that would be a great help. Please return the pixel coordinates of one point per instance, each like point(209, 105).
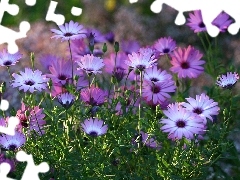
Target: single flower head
point(66, 99)
point(69, 31)
point(187, 62)
point(93, 96)
point(30, 80)
point(203, 106)
point(12, 142)
point(7, 59)
point(195, 22)
point(222, 21)
point(165, 45)
point(90, 64)
point(142, 60)
point(227, 80)
point(94, 127)
point(180, 122)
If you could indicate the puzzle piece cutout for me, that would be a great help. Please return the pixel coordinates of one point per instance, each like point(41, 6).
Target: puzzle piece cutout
point(30, 2)
point(209, 9)
point(31, 171)
point(133, 1)
point(10, 129)
point(59, 19)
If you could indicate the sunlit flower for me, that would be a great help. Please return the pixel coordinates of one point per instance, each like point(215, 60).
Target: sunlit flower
point(165, 45)
point(222, 21)
point(93, 96)
point(195, 22)
point(94, 127)
point(141, 60)
point(30, 80)
point(227, 81)
point(7, 59)
point(203, 106)
point(157, 92)
point(70, 31)
point(90, 64)
point(12, 142)
point(66, 99)
point(180, 122)
point(186, 62)
point(156, 75)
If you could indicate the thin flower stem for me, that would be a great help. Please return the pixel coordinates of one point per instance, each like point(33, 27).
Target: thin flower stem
point(140, 100)
point(69, 45)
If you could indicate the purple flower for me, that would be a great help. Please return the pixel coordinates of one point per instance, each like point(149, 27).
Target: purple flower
point(222, 21)
point(165, 45)
point(156, 75)
point(227, 81)
point(61, 71)
point(7, 59)
point(203, 106)
point(180, 122)
point(187, 63)
point(93, 96)
point(95, 36)
point(195, 22)
point(30, 80)
point(90, 64)
point(66, 99)
point(157, 92)
point(69, 31)
point(94, 127)
point(12, 142)
point(141, 60)
point(48, 59)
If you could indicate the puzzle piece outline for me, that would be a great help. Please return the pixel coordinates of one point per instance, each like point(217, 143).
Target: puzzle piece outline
point(208, 12)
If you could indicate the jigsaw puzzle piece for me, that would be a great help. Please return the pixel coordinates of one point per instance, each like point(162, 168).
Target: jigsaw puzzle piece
point(4, 170)
point(12, 9)
point(31, 171)
point(9, 36)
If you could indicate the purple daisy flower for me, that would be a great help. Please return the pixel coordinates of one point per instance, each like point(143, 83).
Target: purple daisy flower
point(48, 59)
point(66, 99)
point(70, 31)
point(93, 96)
point(94, 127)
point(12, 142)
point(118, 70)
point(157, 92)
point(142, 60)
point(30, 80)
point(181, 122)
point(7, 59)
point(90, 64)
point(227, 81)
point(61, 71)
point(222, 21)
point(195, 22)
point(165, 45)
point(156, 75)
point(187, 63)
point(203, 106)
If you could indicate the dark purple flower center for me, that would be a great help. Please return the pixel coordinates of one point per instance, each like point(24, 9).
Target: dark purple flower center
point(198, 110)
point(180, 124)
point(62, 77)
point(166, 50)
point(154, 79)
point(201, 25)
point(30, 83)
point(185, 65)
point(68, 34)
point(93, 134)
point(7, 63)
point(140, 67)
point(12, 147)
point(155, 89)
